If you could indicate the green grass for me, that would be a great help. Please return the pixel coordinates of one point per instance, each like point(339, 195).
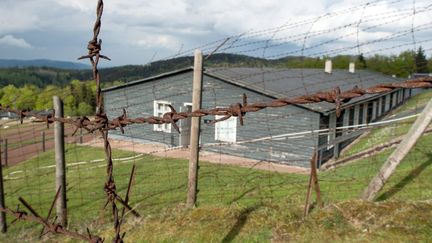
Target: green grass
point(380, 135)
point(234, 204)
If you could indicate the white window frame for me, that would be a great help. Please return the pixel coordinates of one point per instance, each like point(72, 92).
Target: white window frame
point(220, 124)
point(159, 113)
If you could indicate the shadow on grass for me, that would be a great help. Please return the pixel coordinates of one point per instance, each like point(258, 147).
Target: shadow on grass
point(406, 180)
point(241, 221)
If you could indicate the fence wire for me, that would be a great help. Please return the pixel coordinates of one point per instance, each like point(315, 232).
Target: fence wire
point(255, 146)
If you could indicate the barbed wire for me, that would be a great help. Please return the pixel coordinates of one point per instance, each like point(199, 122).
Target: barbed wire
point(51, 227)
point(94, 47)
point(335, 96)
point(102, 124)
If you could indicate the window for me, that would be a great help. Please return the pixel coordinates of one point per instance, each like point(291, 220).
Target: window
point(226, 131)
point(160, 108)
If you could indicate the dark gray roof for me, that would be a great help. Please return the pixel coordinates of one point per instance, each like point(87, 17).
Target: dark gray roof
point(148, 79)
point(284, 82)
point(281, 83)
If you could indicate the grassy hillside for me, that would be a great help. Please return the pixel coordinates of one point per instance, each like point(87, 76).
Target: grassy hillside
point(234, 204)
point(380, 135)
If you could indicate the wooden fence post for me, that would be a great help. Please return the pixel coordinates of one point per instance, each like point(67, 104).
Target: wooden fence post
point(195, 130)
point(60, 162)
point(399, 154)
point(313, 182)
point(43, 141)
point(5, 152)
point(81, 136)
point(3, 224)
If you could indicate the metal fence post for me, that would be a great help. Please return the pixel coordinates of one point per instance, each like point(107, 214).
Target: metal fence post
point(60, 162)
point(195, 130)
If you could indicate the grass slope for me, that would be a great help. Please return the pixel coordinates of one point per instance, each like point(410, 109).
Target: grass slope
point(234, 204)
point(379, 135)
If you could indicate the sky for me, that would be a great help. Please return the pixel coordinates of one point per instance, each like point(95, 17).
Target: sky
point(141, 31)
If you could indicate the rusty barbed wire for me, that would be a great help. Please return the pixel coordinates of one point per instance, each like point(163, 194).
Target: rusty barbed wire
point(47, 226)
point(94, 47)
point(335, 96)
point(101, 123)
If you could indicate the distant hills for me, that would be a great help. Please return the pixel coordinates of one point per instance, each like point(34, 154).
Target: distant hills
point(47, 72)
point(13, 63)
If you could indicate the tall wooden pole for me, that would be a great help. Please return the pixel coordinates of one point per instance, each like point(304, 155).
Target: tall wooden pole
point(3, 225)
point(399, 154)
point(60, 162)
point(195, 130)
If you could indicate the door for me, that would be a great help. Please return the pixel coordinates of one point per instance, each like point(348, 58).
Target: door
point(185, 126)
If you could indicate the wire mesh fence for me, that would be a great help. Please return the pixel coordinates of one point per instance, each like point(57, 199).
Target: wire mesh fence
point(262, 122)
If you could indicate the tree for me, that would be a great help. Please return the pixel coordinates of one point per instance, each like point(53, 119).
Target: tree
point(27, 97)
point(404, 64)
point(84, 109)
point(421, 61)
point(430, 64)
point(44, 99)
point(10, 96)
point(361, 61)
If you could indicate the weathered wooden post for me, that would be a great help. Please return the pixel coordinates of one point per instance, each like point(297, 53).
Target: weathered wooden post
point(3, 224)
point(399, 154)
point(313, 182)
point(195, 131)
point(60, 162)
point(5, 152)
point(81, 136)
point(43, 141)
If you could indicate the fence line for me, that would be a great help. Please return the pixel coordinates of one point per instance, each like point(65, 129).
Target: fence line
point(103, 125)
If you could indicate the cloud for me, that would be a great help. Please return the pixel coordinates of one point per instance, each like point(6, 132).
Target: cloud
point(272, 27)
point(10, 40)
point(157, 40)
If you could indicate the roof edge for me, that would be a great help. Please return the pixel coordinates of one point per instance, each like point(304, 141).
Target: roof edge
point(148, 79)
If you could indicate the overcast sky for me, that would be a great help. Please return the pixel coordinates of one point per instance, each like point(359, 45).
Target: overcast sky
point(137, 31)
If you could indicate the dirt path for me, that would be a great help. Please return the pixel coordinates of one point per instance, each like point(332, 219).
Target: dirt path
point(211, 157)
point(26, 142)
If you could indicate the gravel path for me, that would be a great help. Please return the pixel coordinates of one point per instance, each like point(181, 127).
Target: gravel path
point(183, 153)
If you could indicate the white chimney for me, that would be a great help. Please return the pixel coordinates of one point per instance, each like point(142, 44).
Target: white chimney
point(352, 67)
point(328, 66)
